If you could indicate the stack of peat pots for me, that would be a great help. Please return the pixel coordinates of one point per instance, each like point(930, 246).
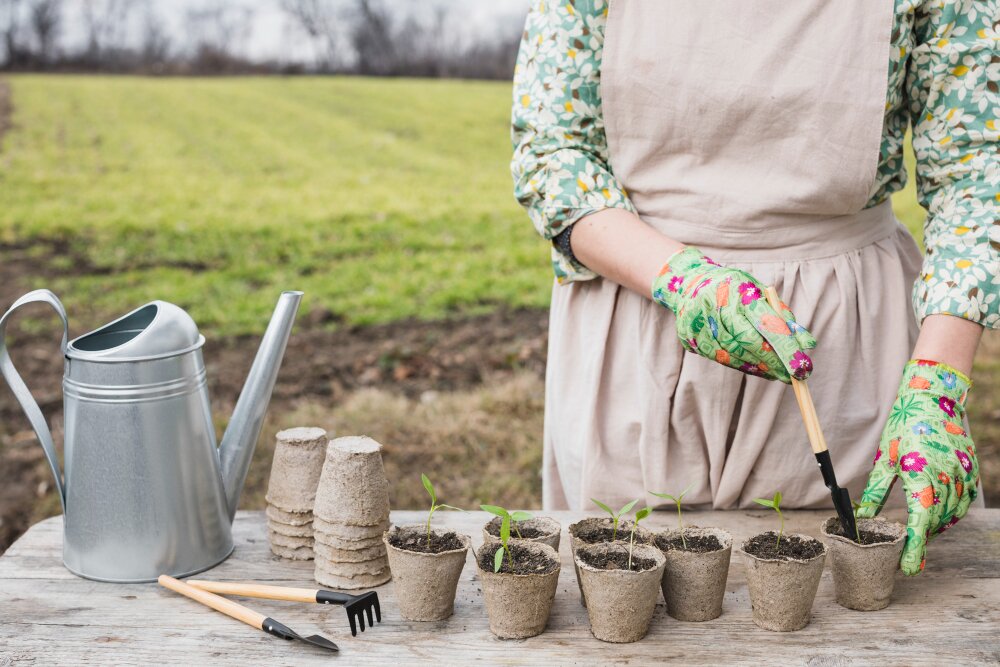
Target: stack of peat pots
point(351, 514)
point(291, 491)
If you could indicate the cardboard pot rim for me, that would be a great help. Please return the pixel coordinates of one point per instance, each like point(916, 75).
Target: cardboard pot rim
point(643, 550)
point(530, 546)
point(724, 536)
point(464, 539)
point(893, 526)
point(554, 527)
point(791, 561)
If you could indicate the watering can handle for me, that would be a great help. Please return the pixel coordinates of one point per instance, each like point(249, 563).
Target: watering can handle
point(21, 392)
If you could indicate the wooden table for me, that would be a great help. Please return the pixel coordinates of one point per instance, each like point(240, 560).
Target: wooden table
point(948, 615)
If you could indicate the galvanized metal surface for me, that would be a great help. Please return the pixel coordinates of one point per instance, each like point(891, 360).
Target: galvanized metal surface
point(144, 490)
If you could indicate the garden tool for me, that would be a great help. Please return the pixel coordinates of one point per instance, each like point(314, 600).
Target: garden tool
point(357, 606)
point(241, 613)
point(145, 490)
point(841, 497)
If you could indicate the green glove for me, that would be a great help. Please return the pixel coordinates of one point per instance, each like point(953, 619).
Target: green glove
point(722, 315)
point(925, 445)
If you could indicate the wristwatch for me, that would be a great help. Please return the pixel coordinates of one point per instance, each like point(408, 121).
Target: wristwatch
point(563, 244)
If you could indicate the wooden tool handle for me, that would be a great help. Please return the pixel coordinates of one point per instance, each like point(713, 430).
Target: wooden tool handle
point(251, 590)
point(802, 395)
point(227, 607)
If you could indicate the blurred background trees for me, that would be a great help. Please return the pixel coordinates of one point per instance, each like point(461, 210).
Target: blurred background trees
point(367, 37)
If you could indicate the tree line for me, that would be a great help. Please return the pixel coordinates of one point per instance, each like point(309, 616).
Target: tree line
point(367, 37)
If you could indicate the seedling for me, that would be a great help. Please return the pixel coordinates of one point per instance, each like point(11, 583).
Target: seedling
point(615, 516)
point(775, 504)
point(435, 506)
point(857, 507)
point(515, 517)
point(677, 500)
point(639, 516)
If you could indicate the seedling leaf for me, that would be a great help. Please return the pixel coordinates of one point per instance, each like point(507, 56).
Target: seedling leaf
point(494, 509)
point(628, 507)
point(505, 529)
point(777, 498)
point(603, 507)
point(498, 559)
point(521, 516)
point(429, 487)
point(766, 502)
point(642, 514)
point(450, 507)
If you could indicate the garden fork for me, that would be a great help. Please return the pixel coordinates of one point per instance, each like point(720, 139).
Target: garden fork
point(357, 606)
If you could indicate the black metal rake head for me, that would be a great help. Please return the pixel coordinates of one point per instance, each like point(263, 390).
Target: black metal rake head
point(277, 629)
point(357, 606)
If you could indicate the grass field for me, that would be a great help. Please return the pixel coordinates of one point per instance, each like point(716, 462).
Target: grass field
point(380, 199)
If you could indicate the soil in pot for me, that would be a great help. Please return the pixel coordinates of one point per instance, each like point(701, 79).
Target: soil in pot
point(519, 597)
point(621, 598)
point(694, 579)
point(599, 530)
point(426, 577)
point(538, 529)
point(864, 573)
point(783, 578)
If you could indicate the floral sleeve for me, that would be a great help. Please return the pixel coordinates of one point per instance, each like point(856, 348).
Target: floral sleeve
point(560, 163)
point(955, 112)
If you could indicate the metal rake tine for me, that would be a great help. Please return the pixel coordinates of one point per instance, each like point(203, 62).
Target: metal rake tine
point(371, 621)
point(350, 619)
point(378, 610)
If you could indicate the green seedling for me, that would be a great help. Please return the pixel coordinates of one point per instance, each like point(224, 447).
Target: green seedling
point(677, 501)
point(639, 516)
point(435, 506)
point(515, 517)
point(857, 507)
point(615, 516)
point(775, 504)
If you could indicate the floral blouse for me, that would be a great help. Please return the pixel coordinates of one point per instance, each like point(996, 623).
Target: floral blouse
point(944, 68)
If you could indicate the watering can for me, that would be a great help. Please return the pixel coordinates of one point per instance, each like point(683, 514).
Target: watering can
point(146, 491)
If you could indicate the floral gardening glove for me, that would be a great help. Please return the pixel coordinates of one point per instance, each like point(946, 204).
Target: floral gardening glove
point(722, 315)
point(925, 445)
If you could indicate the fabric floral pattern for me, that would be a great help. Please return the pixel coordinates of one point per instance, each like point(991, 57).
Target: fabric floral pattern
point(925, 445)
point(722, 315)
point(942, 78)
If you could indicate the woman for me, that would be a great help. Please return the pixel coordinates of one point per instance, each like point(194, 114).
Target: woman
point(682, 157)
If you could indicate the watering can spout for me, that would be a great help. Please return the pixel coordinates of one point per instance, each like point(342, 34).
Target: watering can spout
point(240, 438)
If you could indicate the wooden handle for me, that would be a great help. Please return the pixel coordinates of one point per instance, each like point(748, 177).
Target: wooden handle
point(227, 607)
point(802, 395)
point(251, 590)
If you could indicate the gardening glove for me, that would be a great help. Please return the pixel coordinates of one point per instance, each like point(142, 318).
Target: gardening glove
point(722, 315)
point(925, 445)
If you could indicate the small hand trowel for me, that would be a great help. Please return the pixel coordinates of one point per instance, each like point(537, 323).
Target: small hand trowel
point(841, 498)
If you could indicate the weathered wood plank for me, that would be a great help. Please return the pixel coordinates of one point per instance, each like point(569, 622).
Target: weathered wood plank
point(950, 613)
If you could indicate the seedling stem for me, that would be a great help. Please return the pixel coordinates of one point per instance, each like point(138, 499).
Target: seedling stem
point(677, 500)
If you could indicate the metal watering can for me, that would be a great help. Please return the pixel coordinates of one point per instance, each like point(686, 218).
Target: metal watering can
point(146, 491)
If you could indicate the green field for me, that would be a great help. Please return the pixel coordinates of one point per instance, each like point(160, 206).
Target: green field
point(379, 198)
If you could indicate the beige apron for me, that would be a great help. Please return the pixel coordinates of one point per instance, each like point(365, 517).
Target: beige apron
point(752, 130)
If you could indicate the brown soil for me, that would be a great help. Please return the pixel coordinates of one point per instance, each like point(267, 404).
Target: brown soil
point(525, 560)
point(696, 543)
point(867, 536)
point(523, 532)
point(791, 547)
point(411, 539)
point(616, 560)
point(601, 534)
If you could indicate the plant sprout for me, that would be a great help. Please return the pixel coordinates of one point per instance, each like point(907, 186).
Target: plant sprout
point(775, 504)
point(639, 516)
point(515, 517)
point(434, 505)
point(615, 516)
point(677, 501)
point(857, 507)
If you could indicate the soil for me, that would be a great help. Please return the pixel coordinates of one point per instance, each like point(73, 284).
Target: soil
point(601, 534)
point(616, 560)
point(527, 533)
point(696, 543)
point(526, 561)
point(791, 547)
point(867, 536)
point(410, 539)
